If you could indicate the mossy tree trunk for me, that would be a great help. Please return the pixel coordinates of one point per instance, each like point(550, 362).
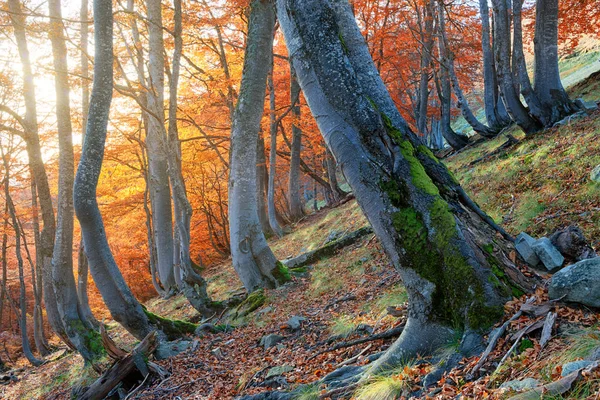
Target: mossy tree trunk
point(253, 260)
point(452, 259)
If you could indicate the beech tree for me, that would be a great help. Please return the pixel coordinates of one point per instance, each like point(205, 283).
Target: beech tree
point(296, 211)
point(442, 244)
point(252, 257)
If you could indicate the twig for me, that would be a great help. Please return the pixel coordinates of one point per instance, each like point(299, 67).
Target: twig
point(134, 391)
point(348, 297)
point(356, 357)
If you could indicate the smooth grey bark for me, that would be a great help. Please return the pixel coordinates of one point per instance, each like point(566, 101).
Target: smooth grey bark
point(426, 33)
point(399, 186)
point(262, 178)
point(547, 84)
point(490, 81)
point(76, 325)
point(253, 260)
point(444, 89)
point(22, 295)
point(271, 211)
point(39, 334)
point(117, 296)
point(36, 164)
point(448, 64)
point(160, 192)
point(82, 263)
point(295, 202)
point(511, 98)
point(3, 290)
point(523, 83)
point(190, 282)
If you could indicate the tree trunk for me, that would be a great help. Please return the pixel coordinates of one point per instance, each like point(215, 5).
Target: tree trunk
point(117, 296)
point(490, 82)
point(334, 186)
point(253, 260)
point(262, 177)
point(426, 33)
point(82, 262)
point(524, 83)
point(296, 210)
point(548, 86)
point(442, 247)
point(160, 192)
point(38, 321)
point(272, 212)
point(76, 326)
point(22, 295)
point(36, 164)
point(191, 283)
point(511, 98)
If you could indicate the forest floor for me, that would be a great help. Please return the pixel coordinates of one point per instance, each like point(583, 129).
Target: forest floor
point(537, 185)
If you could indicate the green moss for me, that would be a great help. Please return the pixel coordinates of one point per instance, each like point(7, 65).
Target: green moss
point(343, 43)
point(419, 177)
point(425, 150)
point(173, 328)
point(91, 339)
point(298, 270)
point(281, 273)
point(488, 248)
point(525, 344)
point(254, 300)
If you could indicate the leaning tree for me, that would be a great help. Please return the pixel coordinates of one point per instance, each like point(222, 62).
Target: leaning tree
point(452, 258)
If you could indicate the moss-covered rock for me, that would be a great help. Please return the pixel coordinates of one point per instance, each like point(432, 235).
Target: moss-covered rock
point(173, 328)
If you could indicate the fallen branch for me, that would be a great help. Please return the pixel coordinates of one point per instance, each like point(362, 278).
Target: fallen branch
point(356, 357)
point(348, 297)
point(558, 387)
point(113, 351)
point(327, 250)
point(396, 331)
point(517, 338)
point(122, 368)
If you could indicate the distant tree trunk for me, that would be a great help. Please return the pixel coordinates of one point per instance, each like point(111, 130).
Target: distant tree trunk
point(262, 177)
point(76, 326)
point(523, 82)
point(511, 98)
point(429, 229)
point(117, 296)
point(4, 261)
point(38, 320)
point(295, 202)
point(426, 33)
point(192, 284)
point(22, 295)
point(490, 82)
point(160, 193)
point(547, 84)
point(272, 212)
point(253, 260)
point(36, 164)
point(82, 263)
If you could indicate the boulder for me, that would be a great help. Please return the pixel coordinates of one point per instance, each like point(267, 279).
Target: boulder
point(280, 370)
point(548, 254)
point(578, 283)
point(587, 106)
point(524, 246)
point(519, 385)
point(294, 323)
point(573, 366)
point(166, 350)
point(595, 174)
point(270, 340)
point(572, 244)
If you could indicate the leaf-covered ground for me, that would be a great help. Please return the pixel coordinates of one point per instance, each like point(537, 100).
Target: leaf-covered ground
point(538, 185)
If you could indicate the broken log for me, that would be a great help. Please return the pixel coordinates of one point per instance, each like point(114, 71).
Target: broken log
point(122, 368)
point(327, 250)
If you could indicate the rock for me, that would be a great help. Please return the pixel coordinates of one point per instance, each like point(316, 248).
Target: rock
point(343, 376)
point(573, 366)
point(294, 323)
point(264, 310)
point(519, 385)
point(217, 352)
point(276, 371)
point(578, 283)
point(443, 366)
point(594, 355)
point(571, 243)
point(548, 254)
point(595, 174)
point(524, 246)
point(270, 340)
point(587, 106)
point(333, 235)
point(171, 349)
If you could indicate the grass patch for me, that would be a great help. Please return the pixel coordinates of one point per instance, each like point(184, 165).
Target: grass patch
point(529, 206)
point(307, 392)
point(386, 386)
point(342, 326)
